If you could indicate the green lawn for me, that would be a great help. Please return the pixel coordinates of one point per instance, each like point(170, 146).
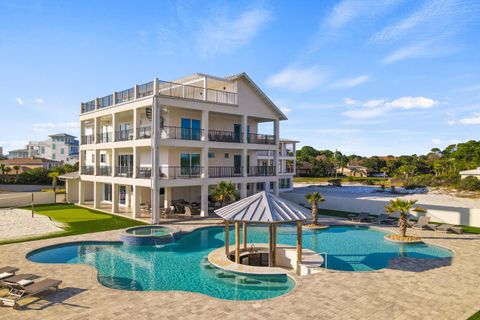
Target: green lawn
point(314, 180)
point(79, 221)
point(476, 316)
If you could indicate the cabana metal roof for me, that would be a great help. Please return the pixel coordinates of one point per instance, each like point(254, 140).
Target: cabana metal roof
point(263, 207)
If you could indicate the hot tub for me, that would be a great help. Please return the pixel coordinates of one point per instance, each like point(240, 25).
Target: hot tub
point(148, 235)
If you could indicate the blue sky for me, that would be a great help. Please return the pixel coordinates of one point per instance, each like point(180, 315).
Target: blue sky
point(363, 77)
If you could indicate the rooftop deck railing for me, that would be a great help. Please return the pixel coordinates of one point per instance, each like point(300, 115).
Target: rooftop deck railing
point(125, 95)
point(145, 90)
point(104, 102)
point(88, 106)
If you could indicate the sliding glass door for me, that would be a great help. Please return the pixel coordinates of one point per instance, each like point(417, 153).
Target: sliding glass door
point(190, 129)
point(190, 164)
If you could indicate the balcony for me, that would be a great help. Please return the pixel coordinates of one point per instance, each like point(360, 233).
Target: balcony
point(104, 137)
point(225, 136)
point(181, 172)
point(145, 90)
point(88, 106)
point(181, 133)
point(144, 172)
point(125, 95)
point(261, 138)
point(257, 171)
point(106, 101)
point(179, 90)
point(144, 132)
point(124, 135)
point(88, 139)
point(104, 171)
point(225, 172)
point(124, 171)
point(88, 170)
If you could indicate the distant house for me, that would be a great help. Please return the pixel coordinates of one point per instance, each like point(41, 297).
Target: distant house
point(27, 164)
point(355, 171)
point(304, 168)
point(470, 173)
point(60, 147)
point(19, 153)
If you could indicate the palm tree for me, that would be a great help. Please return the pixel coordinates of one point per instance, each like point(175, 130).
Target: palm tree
point(54, 175)
point(16, 168)
point(225, 192)
point(7, 170)
point(403, 207)
point(3, 166)
point(314, 198)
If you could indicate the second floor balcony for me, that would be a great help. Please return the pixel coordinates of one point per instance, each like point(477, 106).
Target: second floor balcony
point(104, 171)
point(224, 172)
point(257, 171)
point(261, 138)
point(124, 171)
point(225, 136)
point(174, 172)
point(87, 139)
point(88, 170)
point(124, 135)
point(104, 137)
point(179, 133)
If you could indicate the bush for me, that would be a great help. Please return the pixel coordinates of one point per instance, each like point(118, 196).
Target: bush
point(335, 182)
point(412, 186)
point(368, 182)
point(469, 184)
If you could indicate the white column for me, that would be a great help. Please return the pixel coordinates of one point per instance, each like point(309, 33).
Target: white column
point(204, 162)
point(244, 162)
point(205, 114)
point(114, 161)
point(167, 197)
point(96, 129)
point(96, 164)
point(96, 194)
point(155, 149)
point(115, 198)
point(205, 88)
point(204, 201)
point(243, 190)
point(294, 159)
point(136, 201)
point(135, 123)
point(114, 126)
point(81, 192)
point(244, 128)
point(136, 163)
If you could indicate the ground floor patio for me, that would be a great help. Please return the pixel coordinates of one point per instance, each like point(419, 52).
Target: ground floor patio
point(408, 289)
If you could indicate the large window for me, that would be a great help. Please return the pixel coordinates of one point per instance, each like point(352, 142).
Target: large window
point(190, 163)
point(190, 129)
point(107, 192)
point(284, 183)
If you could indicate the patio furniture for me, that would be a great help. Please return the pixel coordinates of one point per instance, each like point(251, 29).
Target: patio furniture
point(449, 227)
point(7, 272)
point(23, 278)
point(423, 224)
point(362, 216)
point(382, 218)
point(19, 291)
point(180, 205)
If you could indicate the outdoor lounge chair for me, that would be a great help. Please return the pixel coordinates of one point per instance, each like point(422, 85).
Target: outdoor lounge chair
point(18, 278)
point(423, 224)
point(382, 218)
point(362, 216)
point(448, 227)
point(18, 291)
point(7, 272)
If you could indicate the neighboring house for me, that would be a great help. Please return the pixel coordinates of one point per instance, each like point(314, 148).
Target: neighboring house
point(60, 147)
point(470, 173)
point(19, 153)
point(304, 169)
point(162, 143)
point(355, 171)
point(287, 163)
point(27, 164)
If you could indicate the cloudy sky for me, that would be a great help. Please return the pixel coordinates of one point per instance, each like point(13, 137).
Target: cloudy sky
point(364, 77)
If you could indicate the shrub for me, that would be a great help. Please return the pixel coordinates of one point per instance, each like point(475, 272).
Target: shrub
point(335, 182)
point(469, 184)
point(411, 186)
point(368, 182)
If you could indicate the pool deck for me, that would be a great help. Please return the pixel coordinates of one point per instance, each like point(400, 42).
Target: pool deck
point(407, 289)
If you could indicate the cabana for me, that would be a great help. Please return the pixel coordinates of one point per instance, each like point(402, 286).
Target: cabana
point(262, 208)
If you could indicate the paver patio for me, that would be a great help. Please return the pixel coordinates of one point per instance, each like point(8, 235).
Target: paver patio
point(407, 289)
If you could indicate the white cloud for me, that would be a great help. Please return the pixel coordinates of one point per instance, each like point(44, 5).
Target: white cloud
point(473, 120)
point(411, 51)
point(298, 79)
point(437, 141)
point(377, 107)
point(350, 82)
point(349, 101)
point(19, 101)
point(70, 126)
point(285, 109)
point(223, 33)
point(39, 100)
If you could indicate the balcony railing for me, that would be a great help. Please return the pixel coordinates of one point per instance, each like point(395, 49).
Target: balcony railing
point(261, 138)
point(179, 90)
point(124, 171)
point(225, 136)
point(88, 139)
point(104, 171)
point(104, 137)
point(124, 135)
point(181, 172)
point(125, 95)
point(257, 171)
point(144, 132)
point(87, 170)
point(145, 90)
point(88, 106)
point(224, 172)
point(288, 169)
point(105, 101)
point(144, 172)
point(181, 133)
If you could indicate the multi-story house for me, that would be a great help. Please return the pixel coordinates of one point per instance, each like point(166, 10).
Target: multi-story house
point(59, 147)
point(287, 163)
point(162, 143)
point(19, 153)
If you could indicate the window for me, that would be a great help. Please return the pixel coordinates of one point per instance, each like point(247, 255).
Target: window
point(227, 155)
point(284, 183)
point(190, 129)
point(190, 163)
point(53, 146)
point(62, 151)
point(102, 158)
point(107, 192)
point(260, 186)
point(53, 156)
point(272, 185)
point(42, 149)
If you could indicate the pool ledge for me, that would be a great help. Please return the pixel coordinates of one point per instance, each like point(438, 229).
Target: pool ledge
point(310, 258)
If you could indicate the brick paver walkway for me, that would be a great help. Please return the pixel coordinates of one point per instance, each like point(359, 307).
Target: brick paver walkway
point(408, 289)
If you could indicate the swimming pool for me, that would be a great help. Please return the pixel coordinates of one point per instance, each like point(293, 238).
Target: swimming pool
point(181, 265)
point(150, 231)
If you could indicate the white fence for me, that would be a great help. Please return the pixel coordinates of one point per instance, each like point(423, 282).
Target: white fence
point(19, 199)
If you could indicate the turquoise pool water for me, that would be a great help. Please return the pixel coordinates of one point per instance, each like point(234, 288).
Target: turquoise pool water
point(181, 265)
point(150, 231)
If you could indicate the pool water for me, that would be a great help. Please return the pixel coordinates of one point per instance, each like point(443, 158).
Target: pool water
point(156, 231)
point(181, 265)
